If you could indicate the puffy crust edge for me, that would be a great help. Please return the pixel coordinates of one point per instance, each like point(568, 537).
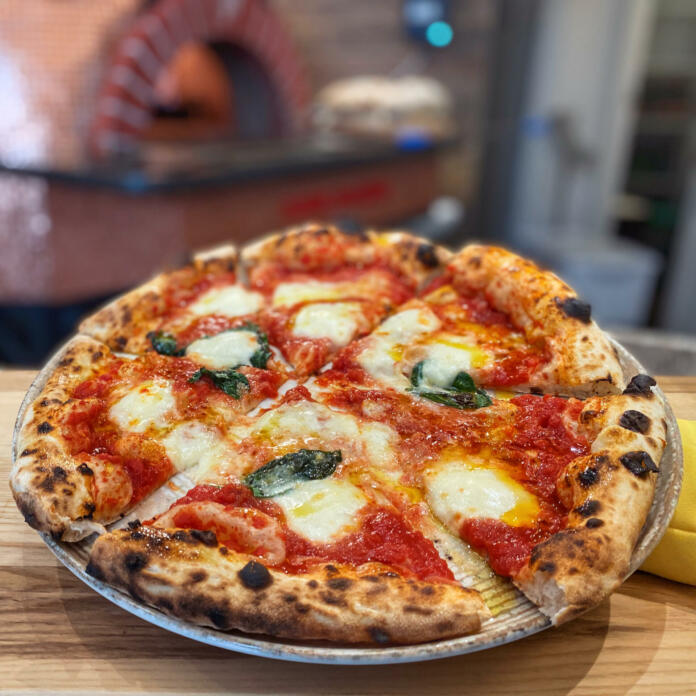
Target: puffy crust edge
point(583, 361)
point(303, 248)
point(609, 493)
point(50, 487)
point(188, 575)
point(141, 306)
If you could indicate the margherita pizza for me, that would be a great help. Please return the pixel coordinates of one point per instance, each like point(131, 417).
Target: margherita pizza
point(354, 419)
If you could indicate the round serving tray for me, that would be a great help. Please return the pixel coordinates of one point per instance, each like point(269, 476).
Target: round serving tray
point(519, 619)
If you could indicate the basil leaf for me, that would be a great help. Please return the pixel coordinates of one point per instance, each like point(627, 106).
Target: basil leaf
point(463, 383)
point(233, 383)
point(164, 343)
point(463, 401)
point(284, 473)
point(417, 373)
point(462, 394)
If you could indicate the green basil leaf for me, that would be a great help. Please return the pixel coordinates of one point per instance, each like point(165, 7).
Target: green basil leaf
point(164, 343)
point(282, 474)
point(233, 383)
point(463, 401)
point(463, 383)
point(417, 373)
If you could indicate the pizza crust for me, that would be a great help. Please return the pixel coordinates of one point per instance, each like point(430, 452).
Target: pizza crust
point(313, 247)
point(189, 575)
point(142, 307)
point(51, 487)
point(583, 362)
point(609, 493)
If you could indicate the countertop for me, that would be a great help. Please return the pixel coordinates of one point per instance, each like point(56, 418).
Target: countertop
point(58, 636)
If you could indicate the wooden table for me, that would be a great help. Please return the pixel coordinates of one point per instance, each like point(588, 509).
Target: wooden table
point(56, 635)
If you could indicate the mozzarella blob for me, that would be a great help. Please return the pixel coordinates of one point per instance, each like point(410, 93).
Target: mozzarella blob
point(144, 406)
point(322, 511)
point(385, 347)
point(288, 294)
point(191, 444)
point(306, 424)
point(230, 301)
point(226, 349)
point(460, 490)
point(337, 321)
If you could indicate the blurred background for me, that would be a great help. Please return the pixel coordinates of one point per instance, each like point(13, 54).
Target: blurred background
point(134, 131)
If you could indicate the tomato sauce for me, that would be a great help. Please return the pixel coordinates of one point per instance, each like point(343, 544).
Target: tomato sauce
point(382, 537)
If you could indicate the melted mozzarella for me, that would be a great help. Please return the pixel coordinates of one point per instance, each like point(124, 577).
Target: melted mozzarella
point(192, 443)
point(144, 406)
point(466, 488)
point(314, 426)
point(447, 356)
point(230, 301)
point(337, 321)
point(287, 294)
point(385, 347)
point(322, 511)
point(226, 349)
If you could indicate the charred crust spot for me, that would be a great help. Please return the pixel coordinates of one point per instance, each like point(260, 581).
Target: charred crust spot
point(89, 509)
point(94, 571)
point(198, 576)
point(414, 609)
point(332, 599)
point(425, 253)
point(207, 538)
point(331, 569)
point(255, 576)
point(588, 415)
point(136, 535)
point(65, 362)
point(548, 567)
point(588, 508)
point(536, 391)
point(84, 469)
point(289, 597)
point(219, 617)
point(135, 561)
point(575, 308)
point(573, 570)
point(639, 463)
point(223, 550)
point(44, 402)
point(444, 626)
point(97, 355)
point(301, 608)
point(427, 590)
point(120, 341)
point(635, 420)
point(313, 584)
point(57, 475)
point(339, 583)
point(134, 524)
point(370, 578)
point(640, 384)
point(28, 452)
point(379, 635)
point(594, 522)
point(588, 477)
point(44, 428)
point(475, 262)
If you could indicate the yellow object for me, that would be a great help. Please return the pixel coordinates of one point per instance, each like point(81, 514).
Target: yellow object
point(675, 556)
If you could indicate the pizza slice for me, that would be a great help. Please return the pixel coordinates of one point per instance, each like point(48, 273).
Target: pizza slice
point(298, 536)
point(107, 430)
point(324, 287)
point(176, 308)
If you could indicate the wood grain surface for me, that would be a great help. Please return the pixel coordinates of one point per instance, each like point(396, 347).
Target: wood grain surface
point(57, 636)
